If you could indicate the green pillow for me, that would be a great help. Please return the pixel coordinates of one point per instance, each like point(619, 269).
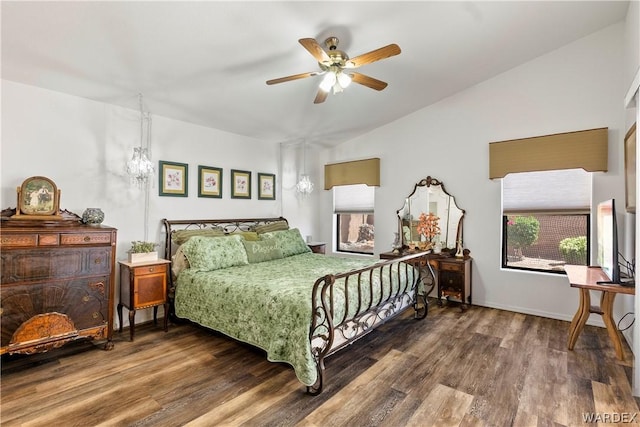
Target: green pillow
point(181, 236)
point(214, 253)
point(274, 226)
point(251, 236)
point(262, 250)
point(289, 241)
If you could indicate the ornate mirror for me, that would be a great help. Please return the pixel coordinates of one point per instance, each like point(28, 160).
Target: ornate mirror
point(430, 217)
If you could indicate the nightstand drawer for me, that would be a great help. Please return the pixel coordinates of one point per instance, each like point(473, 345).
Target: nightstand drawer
point(149, 269)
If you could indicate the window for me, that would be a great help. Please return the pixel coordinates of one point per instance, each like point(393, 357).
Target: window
point(353, 207)
point(545, 219)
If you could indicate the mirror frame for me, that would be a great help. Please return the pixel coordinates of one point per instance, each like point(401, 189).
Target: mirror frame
point(428, 182)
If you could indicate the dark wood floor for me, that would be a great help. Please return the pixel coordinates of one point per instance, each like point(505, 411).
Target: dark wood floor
point(482, 367)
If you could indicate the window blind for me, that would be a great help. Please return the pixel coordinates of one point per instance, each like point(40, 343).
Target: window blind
point(560, 191)
point(357, 198)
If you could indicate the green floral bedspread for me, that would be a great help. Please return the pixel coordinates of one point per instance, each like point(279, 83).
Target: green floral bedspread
point(267, 304)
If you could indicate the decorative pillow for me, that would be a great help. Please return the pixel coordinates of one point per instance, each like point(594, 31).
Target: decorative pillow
point(262, 250)
point(274, 226)
point(214, 253)
point(179, 262)
point(181, 236)
point(250, 236)
point(289, 241)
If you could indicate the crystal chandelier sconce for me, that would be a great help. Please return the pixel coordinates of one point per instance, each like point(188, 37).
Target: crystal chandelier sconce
point(304, 186)
point(140, 168)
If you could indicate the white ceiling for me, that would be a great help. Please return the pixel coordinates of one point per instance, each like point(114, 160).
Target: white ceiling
point(207, 62)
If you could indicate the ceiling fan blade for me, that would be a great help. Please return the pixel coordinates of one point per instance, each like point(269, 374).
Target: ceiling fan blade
point(374, 55)
point(368, 81)
point(315, 49)
point(293, 77)
point(321, 96)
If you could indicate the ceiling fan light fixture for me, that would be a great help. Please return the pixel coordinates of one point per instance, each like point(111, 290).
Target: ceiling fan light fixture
point(344, 80)
point(328, 81)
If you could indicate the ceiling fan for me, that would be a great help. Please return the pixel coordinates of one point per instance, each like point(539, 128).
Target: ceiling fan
point(336, 66)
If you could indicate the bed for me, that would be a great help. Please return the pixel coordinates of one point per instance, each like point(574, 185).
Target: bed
point(256, 280)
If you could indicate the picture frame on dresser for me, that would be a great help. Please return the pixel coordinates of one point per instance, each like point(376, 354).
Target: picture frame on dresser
point(174, 179)
point(38, 198)
point(209, 182)
point(266, 186)
point(240, 184)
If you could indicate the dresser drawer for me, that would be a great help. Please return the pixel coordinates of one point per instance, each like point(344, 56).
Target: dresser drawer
point(9, 240)
point(41, 264)
point(85, 238)
point(84, 302)
point(13, 240)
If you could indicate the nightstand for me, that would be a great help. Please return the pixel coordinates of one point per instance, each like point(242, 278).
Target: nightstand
point(317, 247)
point(143, 285)
point(454, 280)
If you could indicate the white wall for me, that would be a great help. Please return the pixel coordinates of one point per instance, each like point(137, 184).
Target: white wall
point(573, 88)
point(83, 147)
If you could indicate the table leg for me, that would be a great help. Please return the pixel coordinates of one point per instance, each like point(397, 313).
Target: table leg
point(607, 315)
point(580, 318)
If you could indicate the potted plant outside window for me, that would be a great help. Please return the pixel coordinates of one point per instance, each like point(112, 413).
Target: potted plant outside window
point(142, 251)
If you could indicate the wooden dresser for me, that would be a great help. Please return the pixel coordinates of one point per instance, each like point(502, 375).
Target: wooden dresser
point(56, 284)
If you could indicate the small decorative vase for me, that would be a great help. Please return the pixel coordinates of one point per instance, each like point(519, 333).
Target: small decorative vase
point(93, 216)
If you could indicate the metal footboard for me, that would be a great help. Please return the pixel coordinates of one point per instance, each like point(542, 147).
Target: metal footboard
point(368, 303)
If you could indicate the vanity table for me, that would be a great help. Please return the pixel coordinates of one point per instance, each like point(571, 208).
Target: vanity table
point(450, 273)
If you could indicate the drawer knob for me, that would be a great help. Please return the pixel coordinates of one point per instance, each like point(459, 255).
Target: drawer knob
point(97, 261)
point(151, 269)
point(85, 298)
point(87, 238)
point(95, 315)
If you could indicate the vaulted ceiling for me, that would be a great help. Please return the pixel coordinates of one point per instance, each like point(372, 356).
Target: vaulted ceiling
point(207, 62)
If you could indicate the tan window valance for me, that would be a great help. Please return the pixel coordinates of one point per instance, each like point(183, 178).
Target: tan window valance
point(354, 172)
point(587, 149)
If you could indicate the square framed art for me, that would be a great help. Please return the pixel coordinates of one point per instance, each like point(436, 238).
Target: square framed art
point(266, 186)
point(174, 179)
point(209, 182)
point(240, 184)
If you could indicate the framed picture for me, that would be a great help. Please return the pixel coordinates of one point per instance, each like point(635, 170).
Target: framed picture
point(174, 179)
point(209, 182)
point(240, 184)
point(630, 169)
point(266, 186)
point(38, 197)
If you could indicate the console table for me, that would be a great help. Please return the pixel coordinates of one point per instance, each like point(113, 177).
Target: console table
point(586, 279)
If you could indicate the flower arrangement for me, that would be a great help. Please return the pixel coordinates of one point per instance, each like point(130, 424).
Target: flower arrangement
point(428, 226)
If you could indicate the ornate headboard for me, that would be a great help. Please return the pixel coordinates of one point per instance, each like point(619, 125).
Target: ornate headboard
point(227, 225)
